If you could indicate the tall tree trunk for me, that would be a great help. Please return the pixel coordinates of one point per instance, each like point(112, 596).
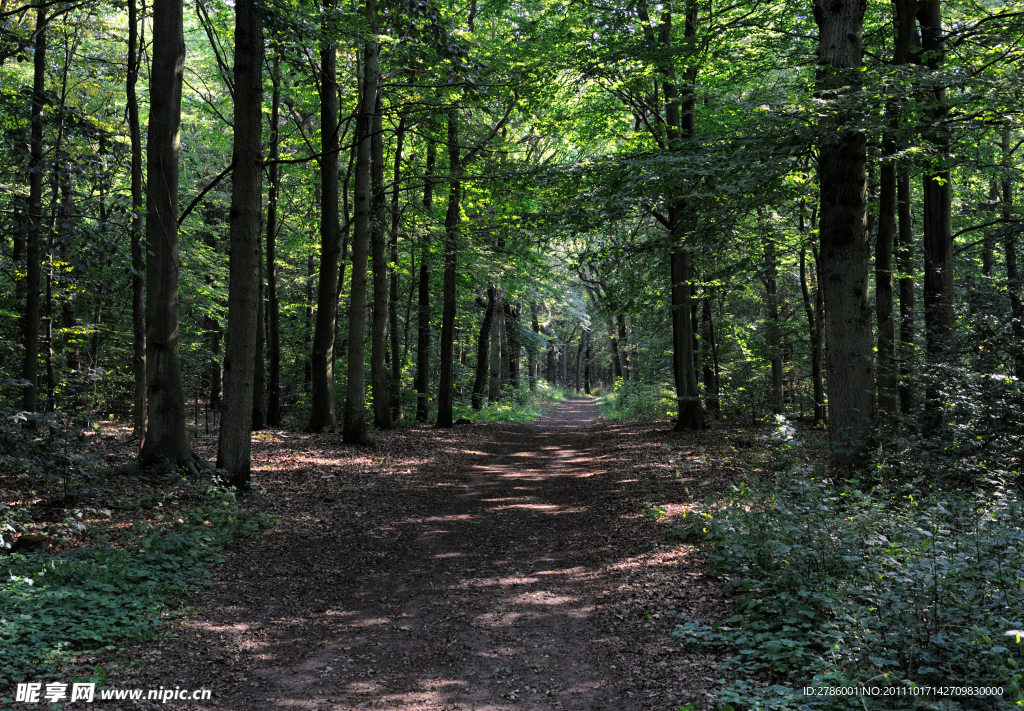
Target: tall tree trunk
point(379, 246)
point(33, 242)
point(531, 349)
point(512, 344)
point(586, 364)
point(771, 288)
point(845, 251)
point(814, 331)
point(259, 375)
point(245, 310)
point(423, 300)
point(690, 415)
point(273, 304)
point(214, 329)
point(497, 354)
point(887, 377)
point(398, 408)
point(355, 395)
point(905, 265)
point(139, 412)
point(1010, 252)
point(165, 433)
point(710, 370)
point(483, 349)
point(623, 344)
point(446, 386)
point(322, 414)
point(939, 316)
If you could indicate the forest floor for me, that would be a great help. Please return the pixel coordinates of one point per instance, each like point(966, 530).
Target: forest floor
point(488, 566)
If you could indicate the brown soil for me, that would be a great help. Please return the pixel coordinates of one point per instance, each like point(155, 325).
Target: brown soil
point(485, 567)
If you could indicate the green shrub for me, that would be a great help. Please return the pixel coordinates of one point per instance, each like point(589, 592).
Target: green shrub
point(632, 400)
point(889, 587)
point(90, 598)
point(516, 405)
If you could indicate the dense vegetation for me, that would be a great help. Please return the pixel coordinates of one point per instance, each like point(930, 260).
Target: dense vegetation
point(349, 217)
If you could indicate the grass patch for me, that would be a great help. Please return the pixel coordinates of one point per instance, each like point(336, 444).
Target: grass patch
point(89, 599)
point(897, 587)
point(516, 405)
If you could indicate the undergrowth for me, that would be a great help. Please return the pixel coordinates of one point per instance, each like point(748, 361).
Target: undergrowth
point(516, 405)
point(89, 599)
point(637, 401)
point(892, 588)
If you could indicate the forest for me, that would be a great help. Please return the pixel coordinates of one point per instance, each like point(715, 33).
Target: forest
point(769, 247)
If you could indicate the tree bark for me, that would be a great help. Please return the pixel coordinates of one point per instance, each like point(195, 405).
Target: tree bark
point(939, 316)
point(355, 395)
point(814, 332)
point(259, 375)
point(165, 434)
point(1010, 254)
point(497, 353)
point(423, 300)
point(771, 287)
point(690, 415)
point(512, 344)
point(379, 246)
point(245, 225)
point(710, 370)
point(446, 392)
point(273, 304)
point(845, 251)
point(483, 349)
point(905, 265)
point(887, 376)
point(33, 242)
point(323, 413)
point(139, 413)
point(397, 406)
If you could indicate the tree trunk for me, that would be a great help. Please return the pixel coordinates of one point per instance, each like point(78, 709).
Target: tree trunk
point(710, 370)
point(165, 433)
point(273, 305)
point(355, 395)
point(771, 288)
point(446, 386)
point(814, 332)
point(245, 311)
point(423, 300)
point(620, 321)
point(887, 382)
point(259, 374)
point(33, 243)
point(512, 344)
point(939, 316)
point(496, 354)
point(1010, 251)
point(586, 364)
point(690, 415)
point(213, 328)
point(379, 245)
point(322, 413)
point(398, 408)
point(531, 349)
point(483, 350)
point(905, 265)
point(845, 251)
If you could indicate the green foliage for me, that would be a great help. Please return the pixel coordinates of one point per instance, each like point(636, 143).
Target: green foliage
point(93, 598)
point(516, 405)
point(891, 587)
point(631, 400)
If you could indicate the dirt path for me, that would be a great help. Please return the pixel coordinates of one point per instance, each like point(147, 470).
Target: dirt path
point(495, 567)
